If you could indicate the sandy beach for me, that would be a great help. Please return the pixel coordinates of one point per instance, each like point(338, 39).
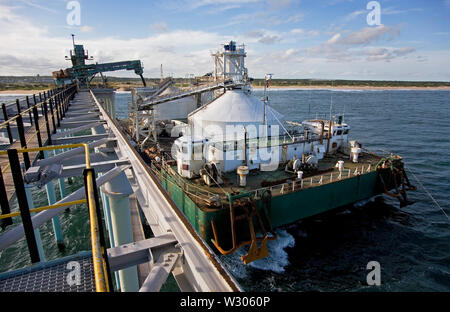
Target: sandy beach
point(21, 92)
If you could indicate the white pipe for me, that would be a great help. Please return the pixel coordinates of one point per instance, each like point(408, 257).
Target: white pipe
point(10, 237)
point(117, 191)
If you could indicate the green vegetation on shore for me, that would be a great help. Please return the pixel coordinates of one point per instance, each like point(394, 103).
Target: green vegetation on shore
point(45, 82)
point(349, 83)
point(25, 86)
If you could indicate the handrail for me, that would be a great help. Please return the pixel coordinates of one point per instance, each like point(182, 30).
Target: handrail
point(23, 97)
point(319, 179)
point(7, 122)
point(98, 251)
point(71, 203)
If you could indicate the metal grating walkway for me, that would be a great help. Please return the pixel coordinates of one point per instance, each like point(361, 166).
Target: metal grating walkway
point(51, 276)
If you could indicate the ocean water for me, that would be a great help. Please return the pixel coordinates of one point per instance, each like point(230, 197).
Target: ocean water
point(412, 244)
point(330, 253)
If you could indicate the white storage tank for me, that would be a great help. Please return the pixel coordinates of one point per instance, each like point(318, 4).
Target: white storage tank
point(235, 108)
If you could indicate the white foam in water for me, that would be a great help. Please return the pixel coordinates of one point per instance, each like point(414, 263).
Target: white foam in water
point(278, 257)
point(276, 262)
point(364, 202)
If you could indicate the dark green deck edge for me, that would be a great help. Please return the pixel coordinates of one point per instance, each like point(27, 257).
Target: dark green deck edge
point(284, 209)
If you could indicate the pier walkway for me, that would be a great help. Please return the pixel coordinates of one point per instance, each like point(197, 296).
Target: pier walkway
point(84, 122)
point(22, 132)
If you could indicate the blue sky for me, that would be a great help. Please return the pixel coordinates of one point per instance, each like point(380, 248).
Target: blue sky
point(327, 39)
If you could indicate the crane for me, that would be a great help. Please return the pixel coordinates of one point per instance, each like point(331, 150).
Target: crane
point(84, 73)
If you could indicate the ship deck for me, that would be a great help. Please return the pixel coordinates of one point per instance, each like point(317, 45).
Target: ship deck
point(279, 182)
point(257, 179)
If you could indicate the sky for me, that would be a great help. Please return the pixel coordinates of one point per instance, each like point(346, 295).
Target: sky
point(319, 39)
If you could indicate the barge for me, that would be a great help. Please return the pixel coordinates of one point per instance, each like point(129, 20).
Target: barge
point(237, 169)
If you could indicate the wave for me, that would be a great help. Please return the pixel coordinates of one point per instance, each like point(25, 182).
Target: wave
point(277, 260)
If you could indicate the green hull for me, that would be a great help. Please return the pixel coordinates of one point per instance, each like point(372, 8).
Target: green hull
point(282, 209)
point(299, 205)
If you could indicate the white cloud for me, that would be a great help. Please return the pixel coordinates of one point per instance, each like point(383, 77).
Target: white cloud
point(354, 14)
point(334, 39)
point(297, 31)
point(39, 6)
point(49, 51)
point(393, 10)
point(86, 29)
point(313, 33)
point(369, 34)
point(403, 51)
point(348, 48)
point(159, 27)
point(282, 3)
point(386, 54)
point(269, 39)
point(343, 56)
point(200, 3)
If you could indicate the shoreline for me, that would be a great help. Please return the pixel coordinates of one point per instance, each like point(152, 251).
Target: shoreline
point(21, 92)
point(273, 88)
point(361, 88)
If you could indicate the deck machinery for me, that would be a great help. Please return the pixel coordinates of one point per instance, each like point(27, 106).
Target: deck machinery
point(84, 73)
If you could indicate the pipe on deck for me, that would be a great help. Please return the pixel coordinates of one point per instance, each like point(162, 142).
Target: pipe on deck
point(10, 237)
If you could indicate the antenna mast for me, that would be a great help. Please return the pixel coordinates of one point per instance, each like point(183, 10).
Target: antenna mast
point(267, 79)
point(331, 104)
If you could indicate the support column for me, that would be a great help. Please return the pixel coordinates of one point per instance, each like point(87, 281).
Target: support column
point(36, 231)
point(61, 181)
point(51, 197)
point(117, 192)
point(107, 214)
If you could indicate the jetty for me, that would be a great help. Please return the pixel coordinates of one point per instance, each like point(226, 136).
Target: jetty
point(68, 132)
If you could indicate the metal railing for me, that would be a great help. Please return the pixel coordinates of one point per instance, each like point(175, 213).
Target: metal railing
point(174, 178)
point(60, 97)
point(99, 255)
point(300, 184)
point(54, 100)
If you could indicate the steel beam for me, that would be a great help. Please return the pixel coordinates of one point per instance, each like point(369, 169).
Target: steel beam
point(162, 266)
point(135, 253)
point(76, 124)
point(79, 150)
point(79, 139)
point(76, 170)
point(10, 237)
point(75, 130)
